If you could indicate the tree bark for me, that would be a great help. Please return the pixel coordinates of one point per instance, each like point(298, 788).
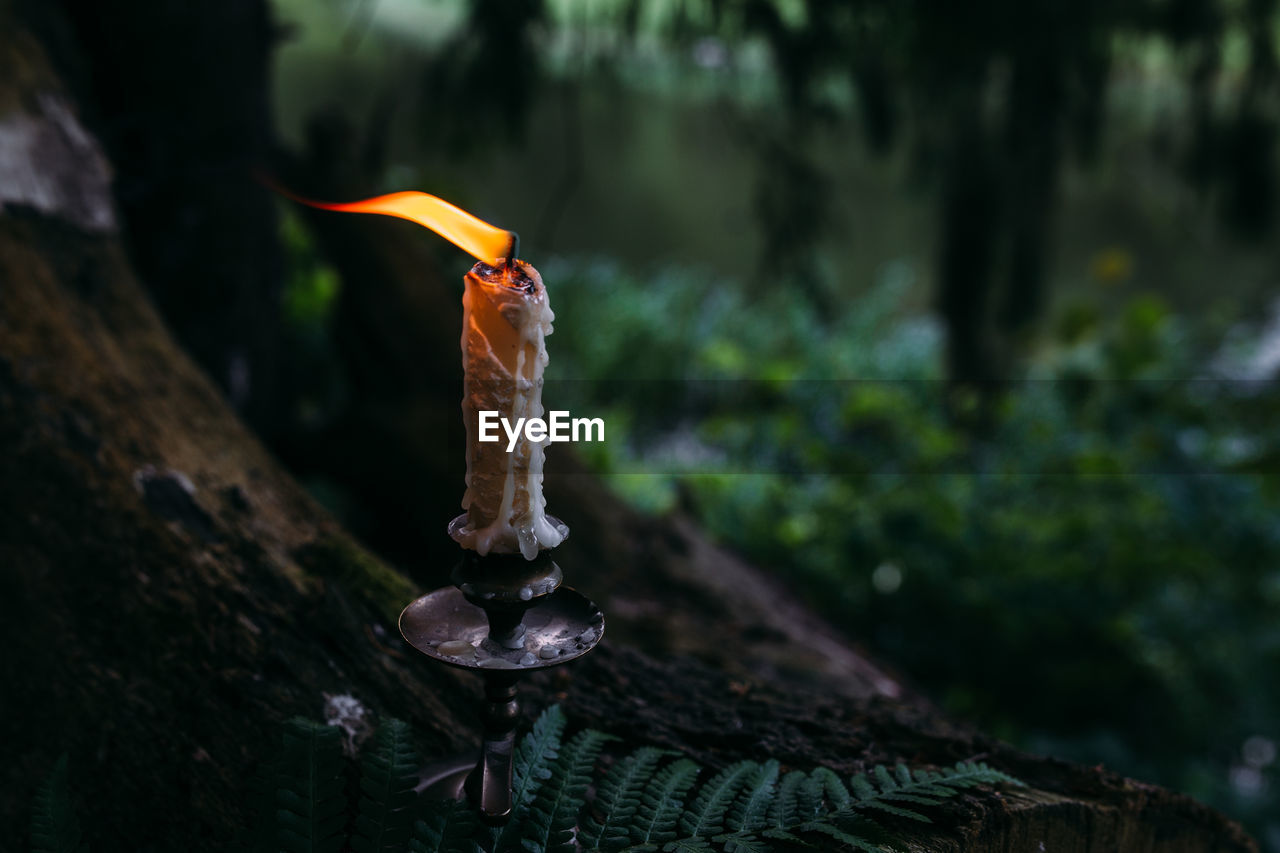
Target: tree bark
point(170, 593)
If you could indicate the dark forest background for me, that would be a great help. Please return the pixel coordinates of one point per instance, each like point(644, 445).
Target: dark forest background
point(960, 318)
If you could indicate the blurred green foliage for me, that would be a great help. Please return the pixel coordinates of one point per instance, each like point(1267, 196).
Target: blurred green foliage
point(312, 285)
point(309, 299)
point(1093, 573)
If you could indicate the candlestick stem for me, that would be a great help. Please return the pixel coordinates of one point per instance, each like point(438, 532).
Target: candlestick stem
point(505, 587)
point(489, 785)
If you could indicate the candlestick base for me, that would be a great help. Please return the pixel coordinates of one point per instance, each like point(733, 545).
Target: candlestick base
point(504, 619)
point(443, 780)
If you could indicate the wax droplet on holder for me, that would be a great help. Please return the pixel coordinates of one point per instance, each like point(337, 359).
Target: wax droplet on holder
point(528, 659)
point(456, 648)
point(498, 663)
point(526, 593)
point(548, 652)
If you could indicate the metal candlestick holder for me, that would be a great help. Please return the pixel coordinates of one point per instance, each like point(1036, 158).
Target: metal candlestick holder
point(504, 616)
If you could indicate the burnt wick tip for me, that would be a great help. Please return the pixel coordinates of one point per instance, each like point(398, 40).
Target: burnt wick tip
point(513, 250)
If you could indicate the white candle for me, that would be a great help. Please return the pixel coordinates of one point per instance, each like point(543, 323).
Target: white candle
point(506, 318)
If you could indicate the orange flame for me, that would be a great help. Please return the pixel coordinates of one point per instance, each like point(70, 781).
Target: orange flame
point(472, 235)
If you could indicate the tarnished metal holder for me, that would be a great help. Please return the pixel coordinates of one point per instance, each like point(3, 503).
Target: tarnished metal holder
point(503, 617)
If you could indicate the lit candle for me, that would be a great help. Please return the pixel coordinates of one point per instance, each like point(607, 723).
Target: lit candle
point(506, 317)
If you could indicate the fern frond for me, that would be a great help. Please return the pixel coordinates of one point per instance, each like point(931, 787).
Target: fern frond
point(388, 775)
point(618, 799)
point(862, 787)
point(844, 836)
point(921, 788)
point(810, 797)
point(640, 806)
point(897, 811)
point(534, 755)
point(661, 802)
point(966, 774)
point(310, 802)
point(555, 808)
point(743, 842)
point(447, 826)
point(530, 767)
point(54, 827)
point(707, 815)
point(836, 794)
point(750, 810)
point(786, 805)
point(789, 837)
point(885, 778)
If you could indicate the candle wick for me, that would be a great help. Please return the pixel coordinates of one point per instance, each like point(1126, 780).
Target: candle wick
point(514, 250)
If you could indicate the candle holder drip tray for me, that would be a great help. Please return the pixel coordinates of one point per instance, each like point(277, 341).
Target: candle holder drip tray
point(505, 617)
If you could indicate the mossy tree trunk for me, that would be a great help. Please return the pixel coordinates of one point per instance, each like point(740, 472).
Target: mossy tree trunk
point(169, 593)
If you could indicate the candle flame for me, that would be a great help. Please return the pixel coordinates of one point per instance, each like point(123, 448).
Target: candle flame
point(469, 233)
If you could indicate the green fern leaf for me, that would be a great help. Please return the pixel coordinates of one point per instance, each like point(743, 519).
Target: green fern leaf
point(966, 774)
point(743, 842)
point(920, 788)
point(901, 796)
point(661, 802)
point(618, 800)
point(530, 767)
point(844, 836)
point(837, 795)
point(310, 802)
point(898, 811)
point(885, 778)
point(750, 810)
point(862, 787)
point(388, 775)
point(555, 808)
point(809, 797)
point(783, 835)
point(54, 827)
point(535, 754)
point(696, 844)
point(447, 826)
point(785, 810)
point(707, 815)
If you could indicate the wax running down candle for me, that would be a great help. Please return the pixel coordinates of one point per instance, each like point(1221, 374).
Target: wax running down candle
point(506, 317)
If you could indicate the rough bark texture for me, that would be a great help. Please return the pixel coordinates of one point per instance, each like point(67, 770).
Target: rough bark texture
point(178, 95)
point(169, 593)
